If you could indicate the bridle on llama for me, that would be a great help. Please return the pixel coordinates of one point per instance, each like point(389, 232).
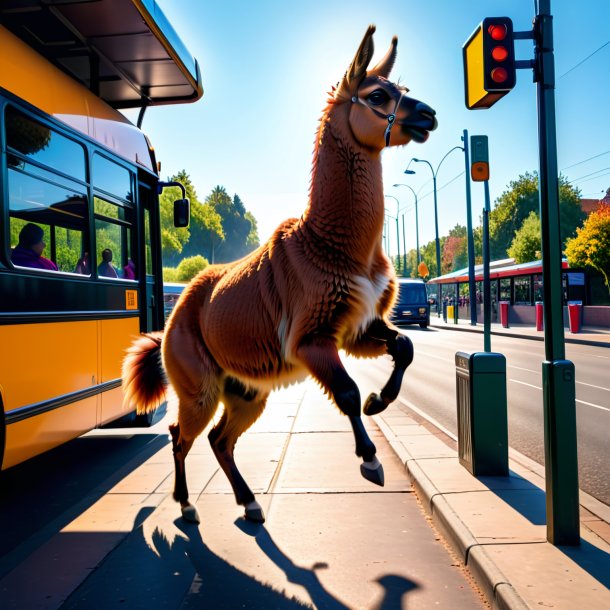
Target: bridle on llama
point(391, 117)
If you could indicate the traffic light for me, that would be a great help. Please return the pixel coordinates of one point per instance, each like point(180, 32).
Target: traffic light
point(489, 62)
point(479, 158)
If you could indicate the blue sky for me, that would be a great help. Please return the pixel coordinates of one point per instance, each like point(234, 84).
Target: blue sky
point(268, 65)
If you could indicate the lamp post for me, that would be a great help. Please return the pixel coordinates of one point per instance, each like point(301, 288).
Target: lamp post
point(416, 220)
point(397, 233)
point(438, 244)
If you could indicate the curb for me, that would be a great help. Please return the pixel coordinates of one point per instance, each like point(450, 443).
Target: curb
point(495, 586)
point(567, 339)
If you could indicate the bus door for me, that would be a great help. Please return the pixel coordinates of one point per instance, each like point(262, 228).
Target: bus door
point(151, 275)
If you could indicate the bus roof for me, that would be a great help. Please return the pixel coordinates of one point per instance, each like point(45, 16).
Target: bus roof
point(125, 51)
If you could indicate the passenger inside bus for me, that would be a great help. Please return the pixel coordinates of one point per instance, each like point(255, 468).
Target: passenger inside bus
point(83, 266)
point(129, 270)
point(106, 268)
point(28, 252)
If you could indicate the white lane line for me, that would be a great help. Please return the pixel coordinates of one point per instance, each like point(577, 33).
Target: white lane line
point(512, 366)
point(529, 385)
point(428, 355)
point(582, 402)
point(590, 404)
point(597, 387)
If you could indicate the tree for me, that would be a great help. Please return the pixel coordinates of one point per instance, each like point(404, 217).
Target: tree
point(591, 246)
point(516, 204)
point(190, 267)
point(526, 244)
point(454, 254)
point(236, 225)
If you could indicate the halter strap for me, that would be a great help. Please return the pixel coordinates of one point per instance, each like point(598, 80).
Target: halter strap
point(391, 118)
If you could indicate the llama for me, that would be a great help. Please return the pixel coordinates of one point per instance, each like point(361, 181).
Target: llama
point(320, 284)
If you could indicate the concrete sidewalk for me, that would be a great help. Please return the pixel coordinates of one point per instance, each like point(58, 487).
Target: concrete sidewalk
point(497, 525)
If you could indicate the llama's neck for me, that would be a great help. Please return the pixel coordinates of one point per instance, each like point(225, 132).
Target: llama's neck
point(346, 201)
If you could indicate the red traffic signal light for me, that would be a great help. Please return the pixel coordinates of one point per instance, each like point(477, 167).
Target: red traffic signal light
point(489, 62)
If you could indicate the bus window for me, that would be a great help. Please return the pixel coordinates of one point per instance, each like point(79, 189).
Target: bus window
point(40, 196)
point(42, 145)
point(113, 224)
point(112, 178)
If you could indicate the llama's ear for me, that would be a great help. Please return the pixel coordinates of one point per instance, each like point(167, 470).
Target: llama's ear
point(384, 67)
point(360, 63)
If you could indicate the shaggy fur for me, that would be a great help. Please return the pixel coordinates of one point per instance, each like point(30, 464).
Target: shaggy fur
point(320, 284)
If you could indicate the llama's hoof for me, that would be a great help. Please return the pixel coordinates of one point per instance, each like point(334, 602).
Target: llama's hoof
point(374, 404)
point(373, 471)
point(190, 514)
point(254, 512)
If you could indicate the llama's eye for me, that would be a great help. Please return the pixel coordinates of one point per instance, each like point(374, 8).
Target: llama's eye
point(378, 97)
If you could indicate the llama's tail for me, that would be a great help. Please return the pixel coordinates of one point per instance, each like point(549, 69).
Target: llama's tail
point(144, 379)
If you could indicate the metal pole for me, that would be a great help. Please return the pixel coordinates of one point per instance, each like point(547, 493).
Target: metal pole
point(472, 286)
point(397, 237)
point(404, 244)
point(486, 281)
point(558, 374)
point(438, 245)
point(417, 231)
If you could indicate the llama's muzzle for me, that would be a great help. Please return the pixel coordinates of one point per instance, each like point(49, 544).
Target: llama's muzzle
point(420, 122)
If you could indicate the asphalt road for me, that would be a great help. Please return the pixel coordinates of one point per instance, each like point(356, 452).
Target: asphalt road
point(430, 386)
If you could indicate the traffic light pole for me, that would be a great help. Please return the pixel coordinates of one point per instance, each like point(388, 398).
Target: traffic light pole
point(472, 286)
point(486, 280)
point(558, 374)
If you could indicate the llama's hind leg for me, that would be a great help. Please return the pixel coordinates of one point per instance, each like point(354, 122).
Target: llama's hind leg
point(242, 408)
point(195, 378)
point(193, 416)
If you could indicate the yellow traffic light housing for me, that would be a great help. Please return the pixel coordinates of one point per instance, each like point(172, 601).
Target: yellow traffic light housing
point(489, 62)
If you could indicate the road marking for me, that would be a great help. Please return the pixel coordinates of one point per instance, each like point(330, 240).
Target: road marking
point(590, 404)
point(428, 355)
point(597, 387)
point(512, 366)
point(604, 357)
point(583, 402)
point(527, 384)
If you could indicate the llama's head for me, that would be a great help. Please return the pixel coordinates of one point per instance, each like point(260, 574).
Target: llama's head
point(381, 114)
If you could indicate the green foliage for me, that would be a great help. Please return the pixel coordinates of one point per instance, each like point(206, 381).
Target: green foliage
point(516, 204)
point(170, 274)
point(526, 244)
point(190, 267)
point(591, 246)
point(235, 224)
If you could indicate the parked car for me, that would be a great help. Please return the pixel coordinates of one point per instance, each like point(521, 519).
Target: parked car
point(412, 306)
point(171, 292)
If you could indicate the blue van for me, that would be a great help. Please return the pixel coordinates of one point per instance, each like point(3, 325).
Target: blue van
point(412, 305)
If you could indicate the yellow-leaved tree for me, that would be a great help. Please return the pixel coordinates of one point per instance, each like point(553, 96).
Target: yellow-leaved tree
point(591, 246)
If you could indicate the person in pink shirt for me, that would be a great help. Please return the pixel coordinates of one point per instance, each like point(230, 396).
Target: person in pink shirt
point(28, 252)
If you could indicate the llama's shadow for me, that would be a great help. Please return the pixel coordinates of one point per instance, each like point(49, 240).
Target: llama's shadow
point(147, 571)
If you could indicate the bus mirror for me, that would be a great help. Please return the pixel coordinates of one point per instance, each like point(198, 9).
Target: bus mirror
point(182, 212)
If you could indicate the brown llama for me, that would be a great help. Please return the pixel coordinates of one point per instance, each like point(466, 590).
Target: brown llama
point(320, 284)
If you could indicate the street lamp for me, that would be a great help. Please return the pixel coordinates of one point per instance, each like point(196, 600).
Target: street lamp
point(397, 233)
point(438, 244)
point(410, 171)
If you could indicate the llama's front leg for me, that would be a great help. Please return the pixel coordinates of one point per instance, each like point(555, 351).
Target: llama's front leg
point(320, 356)
point(401, 349)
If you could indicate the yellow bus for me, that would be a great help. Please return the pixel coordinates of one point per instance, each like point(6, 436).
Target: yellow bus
point(80, 245)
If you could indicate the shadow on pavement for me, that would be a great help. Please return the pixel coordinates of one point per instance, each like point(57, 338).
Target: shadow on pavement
point(591, 559)
point(44, 494)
